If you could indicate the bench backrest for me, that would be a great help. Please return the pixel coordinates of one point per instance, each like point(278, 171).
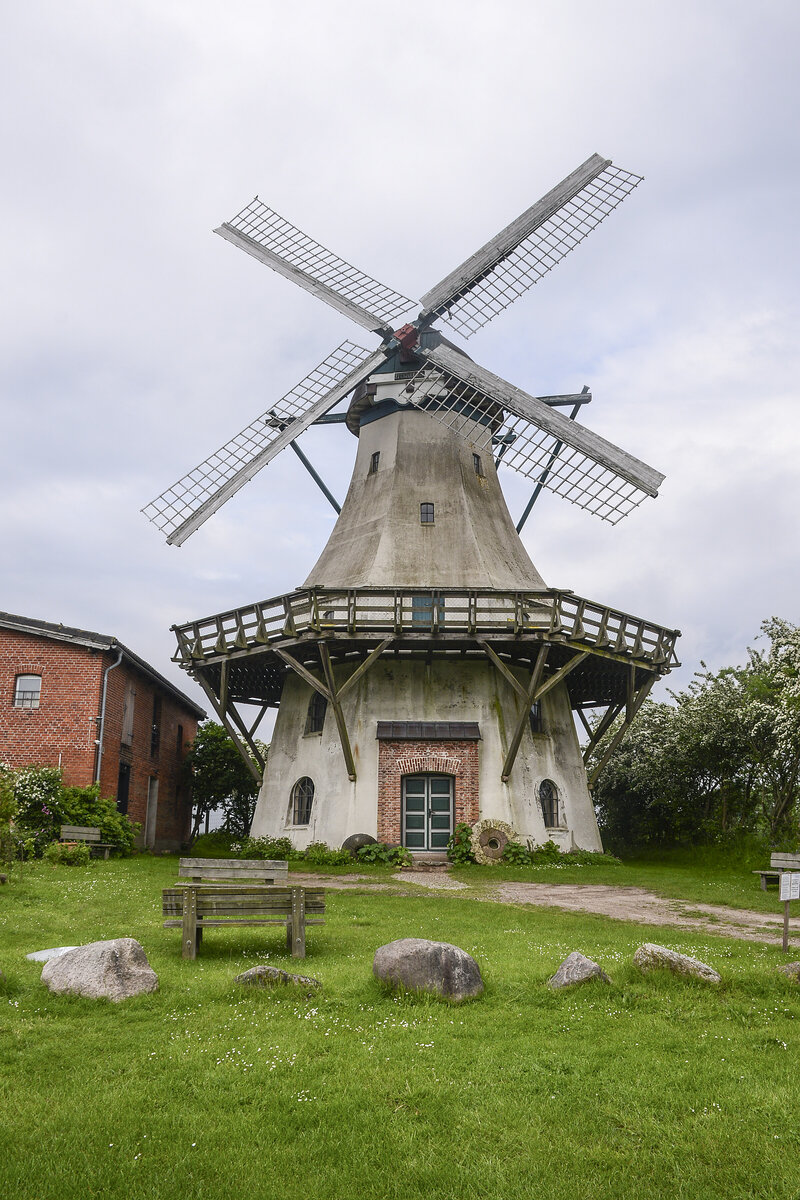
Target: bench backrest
point(243, 901)
point(79, 833)
point(784, 861)
point(249, 870)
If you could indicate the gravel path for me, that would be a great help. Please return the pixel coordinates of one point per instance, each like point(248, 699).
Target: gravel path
point(620, 903)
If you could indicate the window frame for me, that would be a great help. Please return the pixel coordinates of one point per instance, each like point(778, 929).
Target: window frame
point(374, 462)
point(315, 714)
point(477, 465)
point(26, 698)
point(299, 795)
point(427, 513)
point(551, 803)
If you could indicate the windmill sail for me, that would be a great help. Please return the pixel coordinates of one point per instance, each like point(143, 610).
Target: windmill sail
point(543, 444)
point(518, 257)
point(261, 232)
point(184, 506)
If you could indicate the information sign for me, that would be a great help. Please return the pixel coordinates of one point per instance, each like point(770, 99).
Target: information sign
point(790, 885)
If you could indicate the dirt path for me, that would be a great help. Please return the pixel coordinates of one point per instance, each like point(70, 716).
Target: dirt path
point(619, 903)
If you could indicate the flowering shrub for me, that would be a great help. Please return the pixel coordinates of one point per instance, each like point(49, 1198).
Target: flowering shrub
point(44, 804)
point(264, 847)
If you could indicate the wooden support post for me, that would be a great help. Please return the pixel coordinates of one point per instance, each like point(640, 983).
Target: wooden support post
point(608, 719)
point(536, 675)
point(508, 675)
point(785, 926)
point(229, 729)
point(560, 675)
point(337, 711)
point(296, 926)
point(363, 667)
point(303, 672)
point(641, 696)
point(189, 926)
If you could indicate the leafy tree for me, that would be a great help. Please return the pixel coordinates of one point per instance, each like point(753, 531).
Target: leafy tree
point(220, 779)
point(721, 761)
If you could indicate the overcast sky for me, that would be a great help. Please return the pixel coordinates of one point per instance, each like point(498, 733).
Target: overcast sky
point(134, 342)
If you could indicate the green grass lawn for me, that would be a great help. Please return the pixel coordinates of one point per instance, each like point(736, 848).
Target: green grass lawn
point(650, 1086)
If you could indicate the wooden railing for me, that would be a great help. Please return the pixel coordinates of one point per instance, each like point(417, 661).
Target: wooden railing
point(406, 613)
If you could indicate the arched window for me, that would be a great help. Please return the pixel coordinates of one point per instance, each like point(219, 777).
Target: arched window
point(315, 717)
point(302, 800)
point(548, 798)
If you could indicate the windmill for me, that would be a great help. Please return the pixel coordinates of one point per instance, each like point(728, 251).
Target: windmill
point(424, 673)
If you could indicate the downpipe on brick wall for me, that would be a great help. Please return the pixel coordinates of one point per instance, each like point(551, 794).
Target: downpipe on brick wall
point(103, 716)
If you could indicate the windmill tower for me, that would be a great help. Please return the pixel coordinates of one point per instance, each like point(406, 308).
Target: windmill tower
point(424, 673)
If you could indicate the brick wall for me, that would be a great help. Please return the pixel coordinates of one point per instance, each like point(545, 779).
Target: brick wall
point(399, 758)
point(65, 727)
point(62, 729)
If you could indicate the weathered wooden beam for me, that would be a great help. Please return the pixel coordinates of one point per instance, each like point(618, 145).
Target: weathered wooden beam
point(606, 721)
point(639, 700)
point(337, 712)
point(508, 675)
point(560, 675)
point(303, 279)
point(550, 420)
point(229, 729)
point(303, 672)
point(516, 738)
point(363, 667)
point(245, 733)
point(504, 242)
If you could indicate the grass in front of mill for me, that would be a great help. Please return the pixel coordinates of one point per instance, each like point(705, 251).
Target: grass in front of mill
point(650, 1084)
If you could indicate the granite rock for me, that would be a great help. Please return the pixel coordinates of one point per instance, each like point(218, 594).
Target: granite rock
point(791, 969)
point(113, 970)
point(577, 968)
point(650, 957)
point(264, 976)
point(434, 967)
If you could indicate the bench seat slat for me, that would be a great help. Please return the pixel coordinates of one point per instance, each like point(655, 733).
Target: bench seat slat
point(250, 921)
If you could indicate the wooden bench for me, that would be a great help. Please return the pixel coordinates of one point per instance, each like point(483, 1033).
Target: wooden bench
point(234, 870)
point(194, 907)
point(778, 863)
point(86, 833)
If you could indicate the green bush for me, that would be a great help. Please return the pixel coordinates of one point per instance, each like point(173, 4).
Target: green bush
point(459, 848)
point(67, 854)
point(321, 855)
point(380, 852)
point(516, 854)
point(217, 844)
point(279, 849)
point(44, 804)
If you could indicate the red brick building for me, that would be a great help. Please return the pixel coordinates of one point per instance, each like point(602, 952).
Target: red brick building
point(86, 703)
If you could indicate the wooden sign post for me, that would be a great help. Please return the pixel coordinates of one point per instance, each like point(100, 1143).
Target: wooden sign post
point(790, 890)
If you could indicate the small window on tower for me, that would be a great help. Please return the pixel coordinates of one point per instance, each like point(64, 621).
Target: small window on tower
point(315, 718)
point(426, 514)
point(302, 798)
point(537, 724)
point(477, 463)
point(548, 798)
point(27, 691)
point(374, 461)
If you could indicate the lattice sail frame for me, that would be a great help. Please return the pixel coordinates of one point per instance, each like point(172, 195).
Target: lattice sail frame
point(494, 289)
point(192, 491)
point(274, 233)
point(541, 456)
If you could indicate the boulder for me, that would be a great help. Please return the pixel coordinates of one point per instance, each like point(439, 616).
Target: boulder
point(434, 967)
point(113, 970)
point(650, 957)
point(791, 969)
point(577, 968)
point(264, 976)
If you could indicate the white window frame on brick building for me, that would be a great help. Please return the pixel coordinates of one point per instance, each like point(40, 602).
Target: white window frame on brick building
point(27, 691)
